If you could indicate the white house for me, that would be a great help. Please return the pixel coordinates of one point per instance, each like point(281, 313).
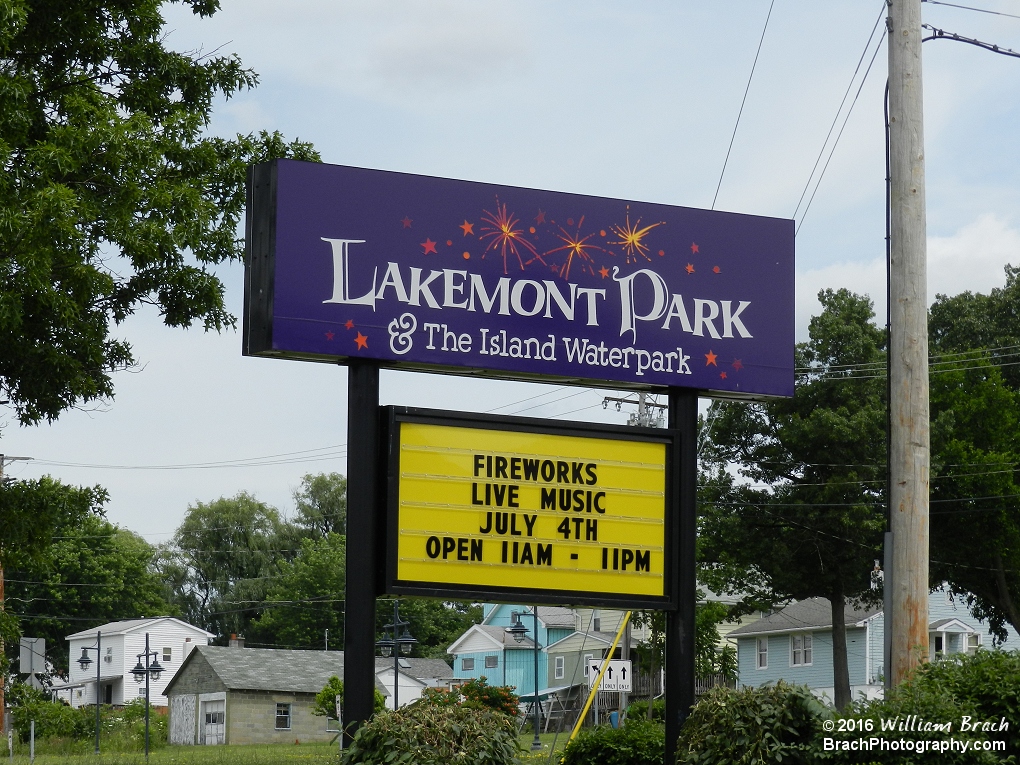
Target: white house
point(120, 644)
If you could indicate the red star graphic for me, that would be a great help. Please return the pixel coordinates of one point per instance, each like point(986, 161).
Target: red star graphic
point(716, 270)
point(429, 246)
point(329, 335)
point(540, 218)
point(349, 323)
point(722, 375)
point(690, 268)
point(604, 271)
point(361, 340)
point(710, 359)
point(738, 364)
point(694, 248)
point(406, 221)
point(467, 228)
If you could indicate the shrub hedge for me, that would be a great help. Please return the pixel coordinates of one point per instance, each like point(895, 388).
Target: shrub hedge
point(637, 742)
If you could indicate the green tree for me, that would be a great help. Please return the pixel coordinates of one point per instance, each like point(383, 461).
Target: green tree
point(321, 503)
point(811, 523)
point(435, 624)
point(221, 560)
point(111, 193)
point(975, 434)
point(92, 572)
point(306, 598)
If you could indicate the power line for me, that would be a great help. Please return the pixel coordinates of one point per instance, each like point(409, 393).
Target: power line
point(839, 135)
point(971, 8)
point(939, 34)
point(835, 119)
point(742, 102)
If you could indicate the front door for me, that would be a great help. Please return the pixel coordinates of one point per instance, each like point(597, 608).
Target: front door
point(215, 717)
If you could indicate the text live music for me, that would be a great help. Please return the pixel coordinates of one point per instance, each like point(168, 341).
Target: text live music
point(506, 524)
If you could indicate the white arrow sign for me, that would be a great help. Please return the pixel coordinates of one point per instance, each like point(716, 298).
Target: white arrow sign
point(617, 677)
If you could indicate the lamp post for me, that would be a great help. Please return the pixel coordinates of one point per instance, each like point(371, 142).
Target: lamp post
point(401, 643)
point(84, 662)
point(144, 672)
point(519, 631)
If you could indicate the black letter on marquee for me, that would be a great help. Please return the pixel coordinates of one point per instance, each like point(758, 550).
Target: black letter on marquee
point(548, 471)
point(544, 555)
point(432, 547)
point(548, 499)
point(590, 470)
point(476, 549)
point(479, 463)
point(599, 508)
point(575, 472)
point(530, 470)
point(643, 561)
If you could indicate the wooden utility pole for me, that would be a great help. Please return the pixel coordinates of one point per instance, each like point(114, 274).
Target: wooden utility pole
point(908, 346)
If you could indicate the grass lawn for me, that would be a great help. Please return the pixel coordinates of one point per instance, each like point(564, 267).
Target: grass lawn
point(285, 754)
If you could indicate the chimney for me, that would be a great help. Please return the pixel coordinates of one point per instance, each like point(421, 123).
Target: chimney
point(237, 641)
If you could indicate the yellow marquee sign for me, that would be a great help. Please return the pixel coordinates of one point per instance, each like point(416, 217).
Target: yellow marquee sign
point(574, 515)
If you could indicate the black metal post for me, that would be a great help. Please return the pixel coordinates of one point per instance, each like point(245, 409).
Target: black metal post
point(679, 669)
point(536, 744)
point(396, 656)
point(146, 696)
point(99, 674)
point(362, 563)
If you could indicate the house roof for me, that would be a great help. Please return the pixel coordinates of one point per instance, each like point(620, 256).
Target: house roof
point(550, 616)
point(810, 614)
point(420, 669)
point(267, 669)
point(942, 624)
point(497, 636)
point(132, 625)
point(579, 637)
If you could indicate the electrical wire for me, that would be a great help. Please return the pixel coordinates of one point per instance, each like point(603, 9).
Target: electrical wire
point(742, 102)
point(835, 119)
point(971, 8)
point(839, 135)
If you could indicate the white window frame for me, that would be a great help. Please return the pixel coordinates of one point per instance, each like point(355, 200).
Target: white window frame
point(467, 665)
point(491, 662)
point(587, 661)
point(286, 716)
point(559, 668)
point(976, 636)
point(167, 655)
point(761, 647)
point(801, 656)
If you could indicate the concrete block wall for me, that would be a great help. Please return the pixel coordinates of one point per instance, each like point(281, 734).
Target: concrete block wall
point(251, 718)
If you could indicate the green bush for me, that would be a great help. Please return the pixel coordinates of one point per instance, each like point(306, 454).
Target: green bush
point(639, 710)
point(984, 687)
point(325, 700)
point(771, 723)
point(52, 718)
point(431, 734)
point(475, 694)
point(638, 742)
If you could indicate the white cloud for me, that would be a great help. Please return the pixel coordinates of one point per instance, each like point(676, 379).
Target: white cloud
point(971, 259)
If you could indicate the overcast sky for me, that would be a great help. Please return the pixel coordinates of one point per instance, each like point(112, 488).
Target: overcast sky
point(628, 100)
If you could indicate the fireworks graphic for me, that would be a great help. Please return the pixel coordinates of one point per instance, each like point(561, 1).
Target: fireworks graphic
point(631, 236)
point(575, 245)
point(503, 235)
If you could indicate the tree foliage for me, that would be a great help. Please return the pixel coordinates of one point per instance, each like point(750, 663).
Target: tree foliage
point(220, 562)
point(321, 504)
point(435, 624)
point(811, 523)
point(111, 194)
point(975, 434)
point(306, 598)
point(92, 573)
point(326, 699)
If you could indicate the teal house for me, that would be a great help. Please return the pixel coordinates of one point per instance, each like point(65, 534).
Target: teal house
point(795, 643)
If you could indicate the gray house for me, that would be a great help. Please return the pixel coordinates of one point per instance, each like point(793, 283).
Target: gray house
point(262, 696)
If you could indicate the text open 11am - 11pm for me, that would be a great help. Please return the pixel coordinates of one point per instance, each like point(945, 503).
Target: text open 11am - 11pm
point(526, 510)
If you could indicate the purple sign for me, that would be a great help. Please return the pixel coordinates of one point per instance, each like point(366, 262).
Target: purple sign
point(455, 276)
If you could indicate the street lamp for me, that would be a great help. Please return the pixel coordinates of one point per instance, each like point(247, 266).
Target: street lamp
point(519, 631)
point(144, 672)
point(401, 643)
point(84, 662)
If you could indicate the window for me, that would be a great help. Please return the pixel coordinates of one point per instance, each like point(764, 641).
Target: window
point(141, 691)
point(763, 653)
point(219, 717)
point(939, 644)
point(283, 716)
point(558, 670)
point(587, 660)
point(167, 653)
point(467, 664)
point(491, 661)
point(973, 642)
point(800, 650)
